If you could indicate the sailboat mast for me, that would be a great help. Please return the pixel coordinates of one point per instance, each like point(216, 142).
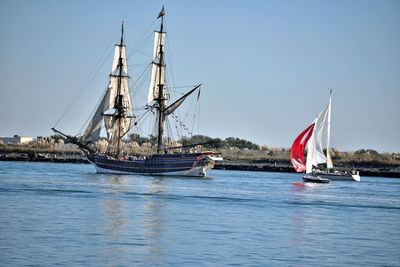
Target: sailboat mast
point(329, 164)
point(161, 93)
point(118, 99)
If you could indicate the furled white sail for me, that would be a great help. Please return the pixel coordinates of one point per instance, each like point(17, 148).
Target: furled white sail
point(315, 154)
point(159, 38)
point(157, 78)
point(119, 49)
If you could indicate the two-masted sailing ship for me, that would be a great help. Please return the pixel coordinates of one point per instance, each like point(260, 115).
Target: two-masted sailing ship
point(312, 136)
point(116, 112)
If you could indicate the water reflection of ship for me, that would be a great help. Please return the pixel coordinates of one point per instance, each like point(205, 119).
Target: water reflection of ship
point(115, 220)
point(130, 228)
point(155, 221)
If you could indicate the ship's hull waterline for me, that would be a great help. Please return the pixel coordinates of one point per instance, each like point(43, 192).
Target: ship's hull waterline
point(192, 165)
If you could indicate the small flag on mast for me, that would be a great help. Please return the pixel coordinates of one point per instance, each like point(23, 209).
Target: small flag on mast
point(162, 13)
point(198, 95)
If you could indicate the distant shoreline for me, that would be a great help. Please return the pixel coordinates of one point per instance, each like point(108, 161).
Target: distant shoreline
point(377, 171)
point(381, 170)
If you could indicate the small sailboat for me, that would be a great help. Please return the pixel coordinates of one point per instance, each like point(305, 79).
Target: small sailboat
point(116, 113)
point(312, 136)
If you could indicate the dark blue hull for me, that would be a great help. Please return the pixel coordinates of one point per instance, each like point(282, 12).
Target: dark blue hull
point(315, 179)
point(195, 164)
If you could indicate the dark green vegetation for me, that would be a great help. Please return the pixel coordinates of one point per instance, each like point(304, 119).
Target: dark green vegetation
point(208, 142)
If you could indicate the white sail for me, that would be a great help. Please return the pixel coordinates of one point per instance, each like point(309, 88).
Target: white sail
point(116, 59)
point(159, 39)
point(157, 78)
point(107, 105)
point(114, 130)
point(315, 154)
point(329, 164)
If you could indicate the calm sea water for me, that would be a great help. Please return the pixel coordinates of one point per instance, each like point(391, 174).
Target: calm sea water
point(66, 214)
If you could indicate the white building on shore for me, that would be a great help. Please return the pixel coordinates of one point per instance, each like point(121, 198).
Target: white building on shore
point(15, 140)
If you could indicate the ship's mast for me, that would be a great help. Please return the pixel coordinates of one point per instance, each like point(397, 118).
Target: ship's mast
point(161, 88)
point(118, 104)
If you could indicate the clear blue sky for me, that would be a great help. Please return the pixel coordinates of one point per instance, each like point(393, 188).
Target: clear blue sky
point(265, 65)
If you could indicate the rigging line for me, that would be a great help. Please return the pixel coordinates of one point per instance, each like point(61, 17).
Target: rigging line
point(141, 75)
point(138, 48)
point(188, 110)
point(88, 80)
point(138, 85)
point(143, 115)
point(142, 42)
point(80, 92)
point(171, 132)
point(142, 37)
point(137, 65)
point(169, 54)
point(182, 124)
point(198, 117)
point(140, 118)
point(183, 86)
point(169, 71)
point(194, 115)
point(146, 54)
point(140, 132)
point(179, 135)
point(174, 92)
point(139, 108)
point(177, 92)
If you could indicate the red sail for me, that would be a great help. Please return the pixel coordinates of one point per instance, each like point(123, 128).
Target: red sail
point(297, 152)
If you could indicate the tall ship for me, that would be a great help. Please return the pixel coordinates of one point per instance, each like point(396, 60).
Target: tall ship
point(115, 112)
point(312, 136)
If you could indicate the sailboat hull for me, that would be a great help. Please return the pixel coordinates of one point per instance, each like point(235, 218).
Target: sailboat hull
point(339, 176)
point(315, 179)
point(194, 165)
